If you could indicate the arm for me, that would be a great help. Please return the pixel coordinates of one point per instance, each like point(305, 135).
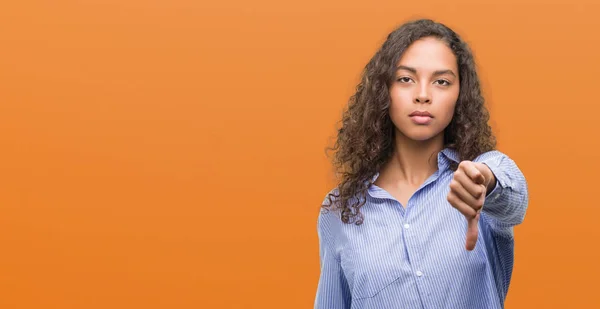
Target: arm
point(332, 290)
point(507, 197)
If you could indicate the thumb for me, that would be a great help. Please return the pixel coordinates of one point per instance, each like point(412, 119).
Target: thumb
point(472, 231)
point(475, 174)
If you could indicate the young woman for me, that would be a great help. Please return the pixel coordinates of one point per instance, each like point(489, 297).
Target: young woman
point(424, 212)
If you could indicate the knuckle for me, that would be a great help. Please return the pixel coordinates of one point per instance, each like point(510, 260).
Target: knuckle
point(453, 184)
point(472, 214)
point(451, 199)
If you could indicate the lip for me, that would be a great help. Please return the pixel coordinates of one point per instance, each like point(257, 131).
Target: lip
point(421, 114)
point(421, 117)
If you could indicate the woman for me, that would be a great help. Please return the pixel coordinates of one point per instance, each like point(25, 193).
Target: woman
point(424, 213)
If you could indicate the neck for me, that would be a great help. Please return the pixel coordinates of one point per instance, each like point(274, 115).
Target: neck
point(413, 161)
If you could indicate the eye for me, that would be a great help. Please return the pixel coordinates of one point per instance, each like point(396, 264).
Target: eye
point(404, 79)
point(443, 82)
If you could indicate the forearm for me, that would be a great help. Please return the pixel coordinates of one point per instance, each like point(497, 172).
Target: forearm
point(507, 197)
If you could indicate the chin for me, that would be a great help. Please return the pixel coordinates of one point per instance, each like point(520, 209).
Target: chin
point(421, 135)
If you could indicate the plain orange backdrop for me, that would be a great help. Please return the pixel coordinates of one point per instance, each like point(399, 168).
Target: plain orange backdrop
point(170, 154)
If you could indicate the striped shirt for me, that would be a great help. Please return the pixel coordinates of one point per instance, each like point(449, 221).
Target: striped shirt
point(414, 257)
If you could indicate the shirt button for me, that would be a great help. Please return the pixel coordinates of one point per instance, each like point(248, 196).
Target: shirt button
point(406, 226)
point(419, 273)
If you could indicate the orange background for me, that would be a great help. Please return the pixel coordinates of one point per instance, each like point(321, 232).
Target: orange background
point(170, 154)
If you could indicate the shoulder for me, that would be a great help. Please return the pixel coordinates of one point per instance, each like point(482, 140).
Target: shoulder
point(328, 201)
point(329, 216)
point(492, 155)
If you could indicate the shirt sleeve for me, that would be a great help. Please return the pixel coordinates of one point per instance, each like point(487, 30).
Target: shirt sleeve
point(332, 290)
point(505, 206)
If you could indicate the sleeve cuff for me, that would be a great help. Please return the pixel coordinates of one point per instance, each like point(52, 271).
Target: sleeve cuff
point(501, 181)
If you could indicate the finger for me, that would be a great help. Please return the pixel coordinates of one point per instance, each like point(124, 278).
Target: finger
point(464, 195)
point(472, 231)
point(461, 206)
point(476, 190)
point(473, 173)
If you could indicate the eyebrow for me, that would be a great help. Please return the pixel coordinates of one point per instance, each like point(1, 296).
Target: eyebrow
point(436, 73)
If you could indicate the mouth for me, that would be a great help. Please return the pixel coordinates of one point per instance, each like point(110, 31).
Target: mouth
point(420, 114)
point(421, 117)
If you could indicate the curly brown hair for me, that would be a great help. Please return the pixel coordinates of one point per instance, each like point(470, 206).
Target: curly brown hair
point(365, 140)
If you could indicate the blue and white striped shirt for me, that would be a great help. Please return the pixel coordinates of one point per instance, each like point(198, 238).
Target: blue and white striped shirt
point(415, 257)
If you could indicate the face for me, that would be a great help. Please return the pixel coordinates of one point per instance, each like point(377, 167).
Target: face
point(425, 89)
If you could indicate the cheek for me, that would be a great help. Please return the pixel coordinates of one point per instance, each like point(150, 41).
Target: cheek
point(400, 101)
point(447, 106)
point(448, 111)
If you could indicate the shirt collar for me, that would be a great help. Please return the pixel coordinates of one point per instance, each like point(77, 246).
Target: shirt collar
point(447, 155)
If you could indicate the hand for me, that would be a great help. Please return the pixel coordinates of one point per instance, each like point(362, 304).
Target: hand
point(468, 189)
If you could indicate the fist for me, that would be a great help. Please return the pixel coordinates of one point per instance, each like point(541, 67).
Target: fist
point(468, 189)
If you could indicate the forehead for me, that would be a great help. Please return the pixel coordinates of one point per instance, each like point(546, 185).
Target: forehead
point(429, 54)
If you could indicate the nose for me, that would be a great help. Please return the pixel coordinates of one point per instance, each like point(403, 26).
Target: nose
point(423, 95)
point(422, 99)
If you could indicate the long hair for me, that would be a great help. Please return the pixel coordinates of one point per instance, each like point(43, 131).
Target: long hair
point(365, 140)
